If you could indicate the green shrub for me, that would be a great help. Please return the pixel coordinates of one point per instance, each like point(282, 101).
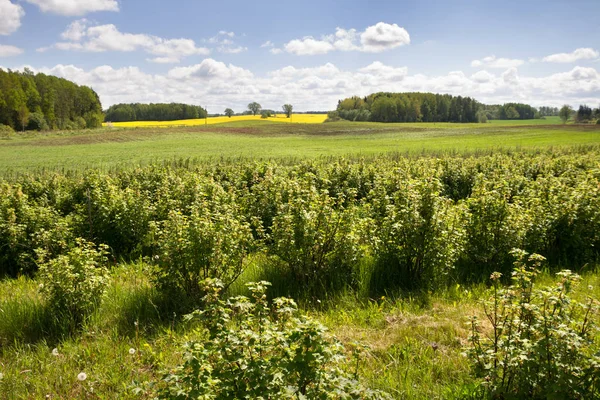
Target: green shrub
point(74, 283)
point(318, 239)
point(37, 122)
point(417, 236)
point(6, 131)
point(212, 242)
point(541, 344)
point(250, 349)
point(26, 226)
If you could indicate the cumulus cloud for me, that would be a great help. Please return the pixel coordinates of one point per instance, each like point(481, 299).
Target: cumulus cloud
point(75, 8)
point(482, 76)
point(377, 38)
point(579, 54)
point(219, 85)
point(225, 43)
point(9, 51)
point(100, 38)
point(500, 63)
point(10, 17)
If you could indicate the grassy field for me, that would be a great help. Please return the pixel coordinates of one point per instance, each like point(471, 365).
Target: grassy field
point(110, 147)
point(416, 339)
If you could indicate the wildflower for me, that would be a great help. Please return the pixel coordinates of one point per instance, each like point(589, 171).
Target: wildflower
point(495, 276)
point(55, 352)
point(132, 351)
point(590, 287)
point(82, 376)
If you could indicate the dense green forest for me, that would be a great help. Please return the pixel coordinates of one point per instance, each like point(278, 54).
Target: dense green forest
point(153, 112)
point(429, 107)
point(40, 102)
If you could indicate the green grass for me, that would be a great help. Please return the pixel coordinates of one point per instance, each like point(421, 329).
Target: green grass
point(108, 148)
point(415, 342)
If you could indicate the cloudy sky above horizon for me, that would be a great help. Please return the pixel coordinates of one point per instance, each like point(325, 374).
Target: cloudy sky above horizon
point(310, 53)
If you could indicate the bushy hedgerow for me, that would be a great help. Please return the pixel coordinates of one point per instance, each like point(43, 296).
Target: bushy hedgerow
point(542, 343)
point(74, 283)
point(253, 349)
point(212, 242)
point(318, 239)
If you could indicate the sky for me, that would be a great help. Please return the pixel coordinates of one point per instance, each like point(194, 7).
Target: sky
point(221, 54)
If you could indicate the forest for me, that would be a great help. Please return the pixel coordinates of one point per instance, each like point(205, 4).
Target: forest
point(429, 107)
point(31, 101)
point(153, 112)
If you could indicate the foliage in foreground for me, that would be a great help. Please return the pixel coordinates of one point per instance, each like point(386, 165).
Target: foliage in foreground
point(541, 344)
point(248, 350)
point(74, 283)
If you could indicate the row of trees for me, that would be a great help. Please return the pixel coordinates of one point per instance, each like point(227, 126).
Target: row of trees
point(39, 101)
point(429, 107)
point(153, 112)
point(255, 108)
point(409, 107)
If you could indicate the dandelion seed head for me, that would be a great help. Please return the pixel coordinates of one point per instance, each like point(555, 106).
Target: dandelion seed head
point(55, 352)
point(82, 376)
point(132, 351)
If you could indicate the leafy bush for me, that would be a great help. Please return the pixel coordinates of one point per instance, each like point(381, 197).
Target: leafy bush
point(246, 350)
point(74, 283)
point(541, 344)
point(37, 122)
point(26, 226)
point(210, 243)
point(318, 239)
point(6, 131)
point(417, 236)
point(333, 116)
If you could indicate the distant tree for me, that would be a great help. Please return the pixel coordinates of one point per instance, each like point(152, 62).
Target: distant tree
point(287, 109)
point(254, 107)
point(229, 112)
point(23, 112)
point(512, 113)
point(266, 114)
point(584, 114)
point(565, 113)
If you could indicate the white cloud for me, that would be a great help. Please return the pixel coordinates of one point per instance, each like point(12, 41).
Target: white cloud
point(482, 76)
point(377, 38)
point(232, 50)
point(210, 69)
point(101, 38)
point(75, 7)
point(382, 36)
point(385, 71)
point(579, 54)
point(10, 17)
point(268, 43)
point(76, 30)
point(9, 51)
point(219, 85)
point(500, 63)
point(276, 51)
point(225, 43)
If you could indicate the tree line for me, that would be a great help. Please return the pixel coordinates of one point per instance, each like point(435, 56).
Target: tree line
point(409, 107)
point(153, 112)
point(429, 107)
point(41, 102)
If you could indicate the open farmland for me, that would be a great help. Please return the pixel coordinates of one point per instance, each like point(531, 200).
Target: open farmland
point(260, 140)
point(385, 233)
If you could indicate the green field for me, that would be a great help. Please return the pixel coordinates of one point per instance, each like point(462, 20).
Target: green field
point(387, 234)
point(259, 140)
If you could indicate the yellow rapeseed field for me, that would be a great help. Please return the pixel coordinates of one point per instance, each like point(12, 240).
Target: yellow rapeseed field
point(296, 118)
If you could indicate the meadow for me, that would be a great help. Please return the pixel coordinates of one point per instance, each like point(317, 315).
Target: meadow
point(387, 234)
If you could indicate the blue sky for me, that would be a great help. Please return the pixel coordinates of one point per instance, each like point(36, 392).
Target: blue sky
point(310, 53)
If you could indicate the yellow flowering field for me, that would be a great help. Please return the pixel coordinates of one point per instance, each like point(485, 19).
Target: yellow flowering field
point(296, 118)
